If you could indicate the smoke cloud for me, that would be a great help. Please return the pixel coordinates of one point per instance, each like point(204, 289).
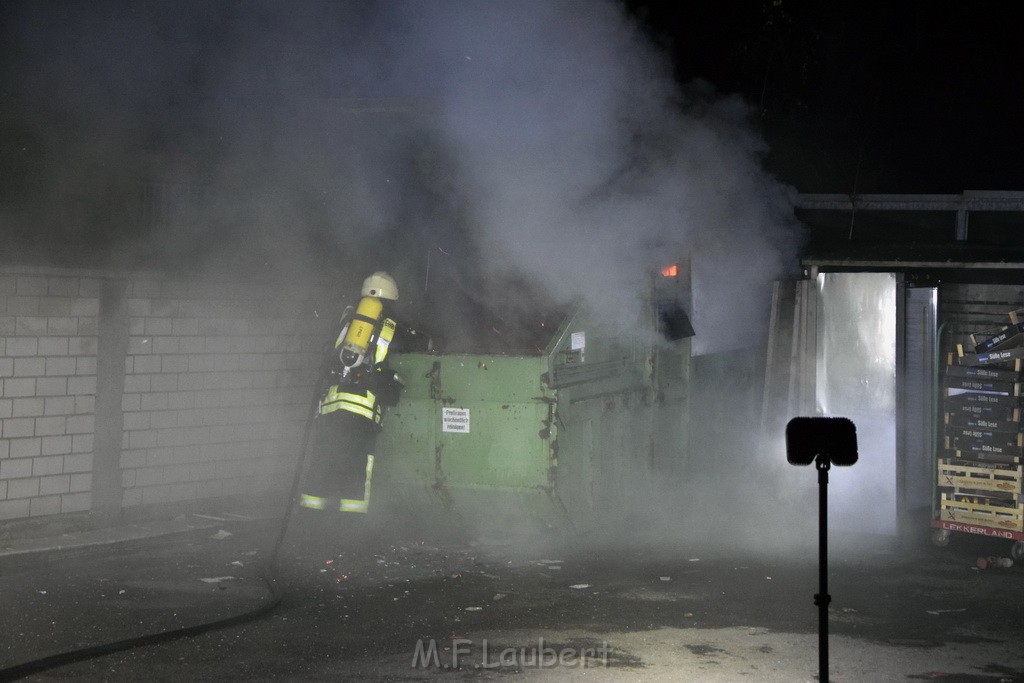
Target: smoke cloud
point(502, 159)
point(585, 165)
point(463, 145)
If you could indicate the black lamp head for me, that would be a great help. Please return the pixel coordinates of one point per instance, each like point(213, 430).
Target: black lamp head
point(833, 438)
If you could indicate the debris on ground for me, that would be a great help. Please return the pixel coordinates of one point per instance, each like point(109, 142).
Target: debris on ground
point(218, 579)
point(210, 517)
point(994, 562)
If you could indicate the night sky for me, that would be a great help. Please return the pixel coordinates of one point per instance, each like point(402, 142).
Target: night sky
point(854, 97)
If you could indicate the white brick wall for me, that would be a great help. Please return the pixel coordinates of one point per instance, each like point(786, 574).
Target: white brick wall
point(47, 383)
point(214, 398)
point(212, 388)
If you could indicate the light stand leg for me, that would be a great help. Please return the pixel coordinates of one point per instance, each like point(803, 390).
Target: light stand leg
point(822, 598)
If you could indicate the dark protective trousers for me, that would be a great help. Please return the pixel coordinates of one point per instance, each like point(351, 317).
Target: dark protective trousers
point(339, 447)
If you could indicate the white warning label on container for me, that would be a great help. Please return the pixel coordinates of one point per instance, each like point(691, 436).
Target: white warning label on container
point(577, 341)
point(455, 420)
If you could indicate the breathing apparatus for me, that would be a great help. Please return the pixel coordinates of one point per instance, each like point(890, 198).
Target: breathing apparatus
point(354, 341)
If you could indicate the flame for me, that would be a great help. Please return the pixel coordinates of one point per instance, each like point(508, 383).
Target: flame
point(670, 271)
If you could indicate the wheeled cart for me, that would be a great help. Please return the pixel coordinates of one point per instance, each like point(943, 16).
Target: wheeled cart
point(980, 471)
point(942, 530)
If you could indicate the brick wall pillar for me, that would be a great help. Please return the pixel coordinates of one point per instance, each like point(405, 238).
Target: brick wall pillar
point(112, 346)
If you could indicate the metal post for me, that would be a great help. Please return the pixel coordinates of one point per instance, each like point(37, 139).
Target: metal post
point(822, 598)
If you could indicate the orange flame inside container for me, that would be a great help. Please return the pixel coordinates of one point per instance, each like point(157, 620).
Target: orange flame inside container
point(670, 271)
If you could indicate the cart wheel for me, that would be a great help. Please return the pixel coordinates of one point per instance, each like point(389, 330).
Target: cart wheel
point(940, 537)
point(1017, 550)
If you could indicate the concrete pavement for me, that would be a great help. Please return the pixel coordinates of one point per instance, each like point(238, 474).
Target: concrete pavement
point(494, 610)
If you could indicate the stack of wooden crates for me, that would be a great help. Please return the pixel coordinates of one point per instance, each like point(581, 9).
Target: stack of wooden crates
point(979, 479)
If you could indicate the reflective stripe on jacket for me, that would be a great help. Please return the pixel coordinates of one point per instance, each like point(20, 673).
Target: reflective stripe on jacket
point(387, 333)
point(360, 404)
point(365, 403)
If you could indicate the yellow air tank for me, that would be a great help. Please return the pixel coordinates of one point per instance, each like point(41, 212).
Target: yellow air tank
point(356, 341)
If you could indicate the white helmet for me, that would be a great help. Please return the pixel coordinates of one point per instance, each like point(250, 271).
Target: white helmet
point(381, 285)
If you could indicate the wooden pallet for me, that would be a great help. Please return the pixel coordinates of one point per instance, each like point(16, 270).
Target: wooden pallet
point(993, 516)
point(1008, 480)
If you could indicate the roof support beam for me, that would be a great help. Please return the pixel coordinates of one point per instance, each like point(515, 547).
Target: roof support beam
point(962, 204)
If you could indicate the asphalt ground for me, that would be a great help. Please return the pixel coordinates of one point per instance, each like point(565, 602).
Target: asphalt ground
point(408, 609)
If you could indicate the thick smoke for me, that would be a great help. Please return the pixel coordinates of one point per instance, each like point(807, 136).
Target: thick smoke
point(584, 164)
point(501, 158)
point(544, 140)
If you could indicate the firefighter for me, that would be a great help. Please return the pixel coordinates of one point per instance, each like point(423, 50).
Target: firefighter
point(359, 382)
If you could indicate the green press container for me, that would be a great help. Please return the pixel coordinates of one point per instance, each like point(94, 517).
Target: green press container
point(580, 439)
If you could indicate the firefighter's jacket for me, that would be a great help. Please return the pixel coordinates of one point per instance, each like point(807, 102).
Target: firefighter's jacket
point(369, 386)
